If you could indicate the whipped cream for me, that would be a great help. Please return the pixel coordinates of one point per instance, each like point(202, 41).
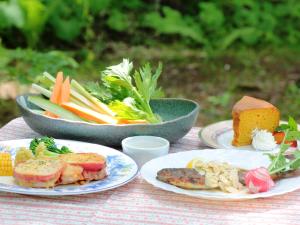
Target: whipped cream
point(263, 140)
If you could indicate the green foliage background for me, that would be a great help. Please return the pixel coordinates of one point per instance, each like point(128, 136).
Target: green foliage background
point(213, 51)
point(215, 25)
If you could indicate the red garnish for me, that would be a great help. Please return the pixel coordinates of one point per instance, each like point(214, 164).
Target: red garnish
point(278, 136)
point(258, 180)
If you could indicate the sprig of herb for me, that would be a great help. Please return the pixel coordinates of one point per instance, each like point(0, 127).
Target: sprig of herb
point(279, 162)
point(291, 125)
point(119, 84)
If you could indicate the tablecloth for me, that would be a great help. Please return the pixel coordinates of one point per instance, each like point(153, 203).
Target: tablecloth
point(140, 203)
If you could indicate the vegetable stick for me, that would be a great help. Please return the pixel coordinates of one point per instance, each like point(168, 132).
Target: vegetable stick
point(50, 114)
point(42, 90)
point(49, 76)
point(53, 108)
point(65, 91)
point(102, 108)
point(85, 102)
point(55, 96)
point(124, 121)
point(77, 102)
point(89, 114)
point(77, 97)
point(57, 88)
point(81, 98)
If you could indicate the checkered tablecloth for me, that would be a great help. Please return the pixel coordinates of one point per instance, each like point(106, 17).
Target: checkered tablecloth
point(140, 203)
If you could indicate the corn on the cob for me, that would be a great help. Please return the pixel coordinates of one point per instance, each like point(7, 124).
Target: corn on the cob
point(6, 167)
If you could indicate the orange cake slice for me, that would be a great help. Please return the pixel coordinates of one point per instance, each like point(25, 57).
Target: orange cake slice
point(250, 113)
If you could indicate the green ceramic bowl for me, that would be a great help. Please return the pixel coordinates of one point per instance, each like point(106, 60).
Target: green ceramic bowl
point(179, 116)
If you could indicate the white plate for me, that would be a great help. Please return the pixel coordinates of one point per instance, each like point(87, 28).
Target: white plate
point(241, 159)
point(120, 167)
point(220, 135)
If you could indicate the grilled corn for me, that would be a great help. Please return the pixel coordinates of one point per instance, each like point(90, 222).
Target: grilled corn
point(6, 167)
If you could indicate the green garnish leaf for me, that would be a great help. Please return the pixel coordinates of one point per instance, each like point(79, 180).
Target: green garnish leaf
point(293, 135)
point(282, 127)
point(295, 164)
point(279, 162)
point(292, 124)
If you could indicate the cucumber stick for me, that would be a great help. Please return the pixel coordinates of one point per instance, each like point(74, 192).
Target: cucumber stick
point(51, 107)
point(42, 90)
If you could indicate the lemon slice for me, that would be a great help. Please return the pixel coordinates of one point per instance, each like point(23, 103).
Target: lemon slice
point(192, 164)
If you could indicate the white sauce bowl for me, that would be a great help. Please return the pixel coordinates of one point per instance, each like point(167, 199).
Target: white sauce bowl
point(144, 148)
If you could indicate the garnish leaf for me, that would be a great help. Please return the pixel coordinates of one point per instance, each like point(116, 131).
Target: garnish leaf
point(293, 135)
point(279, 162)
point(282, 127)
point(295, 164)
point(292, 124)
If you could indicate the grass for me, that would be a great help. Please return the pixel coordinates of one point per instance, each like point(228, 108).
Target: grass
point(215, 81)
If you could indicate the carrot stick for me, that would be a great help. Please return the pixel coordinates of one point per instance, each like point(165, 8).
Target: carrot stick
point(124, 121)
point(65, 91)
point(55, 96)
point(89, 114)
point(50, 114)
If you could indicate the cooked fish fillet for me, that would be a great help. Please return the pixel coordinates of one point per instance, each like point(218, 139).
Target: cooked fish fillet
point(183, 178)
point(187, 178)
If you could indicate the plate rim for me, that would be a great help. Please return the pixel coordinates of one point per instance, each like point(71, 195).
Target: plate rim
point(44, 193)
point(212, 144)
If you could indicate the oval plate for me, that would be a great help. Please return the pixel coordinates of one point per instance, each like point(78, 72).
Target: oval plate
point(120, 167)
point(220, 135)
point(242, 159)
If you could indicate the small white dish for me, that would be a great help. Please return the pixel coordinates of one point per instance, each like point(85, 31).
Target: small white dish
point(144, 148)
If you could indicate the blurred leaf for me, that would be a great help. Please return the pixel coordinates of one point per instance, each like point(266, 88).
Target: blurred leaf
point(97, 6)
point(11, 14)
point(118, 21)
point(210, 15)
point(173, 23)
point(69, 19)
point(248, 34)
point(19, 63)
point(220, 100)
point(35, 13)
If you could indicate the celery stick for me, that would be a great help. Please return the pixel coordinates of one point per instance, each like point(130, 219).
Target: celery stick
point(42, 90)
point(76, 101)
point(51, 107)
point(81, 98)
point(49, 76)
point(91, 98)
